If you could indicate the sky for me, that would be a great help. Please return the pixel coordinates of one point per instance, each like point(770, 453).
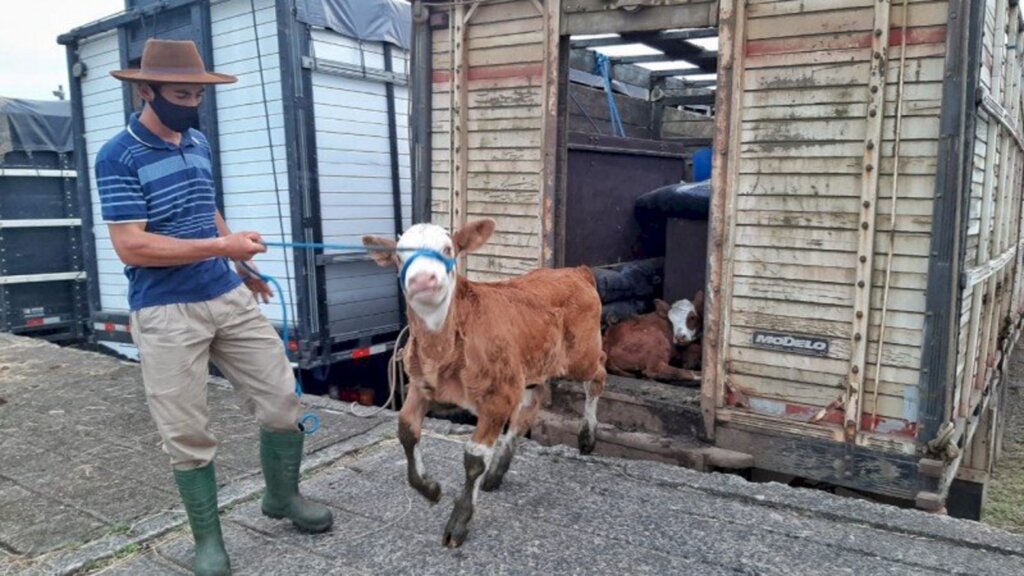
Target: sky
point(32, 64)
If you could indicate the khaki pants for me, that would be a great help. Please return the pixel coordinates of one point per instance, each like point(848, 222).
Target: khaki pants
point(176, 344)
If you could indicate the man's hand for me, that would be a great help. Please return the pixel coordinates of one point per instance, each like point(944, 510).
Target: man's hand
point(260, 289)
point(241, 245)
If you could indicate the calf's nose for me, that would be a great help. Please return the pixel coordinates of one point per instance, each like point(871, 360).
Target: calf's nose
point(422, 282)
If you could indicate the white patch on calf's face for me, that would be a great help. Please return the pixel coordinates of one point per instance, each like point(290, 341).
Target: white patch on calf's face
point(431, 306)
point(678, 315)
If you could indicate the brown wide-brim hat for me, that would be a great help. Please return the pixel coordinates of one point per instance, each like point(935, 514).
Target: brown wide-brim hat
point(172, 62)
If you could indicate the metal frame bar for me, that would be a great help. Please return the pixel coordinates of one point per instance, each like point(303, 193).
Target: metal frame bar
point(53, 277)
point(82, 182)
point(41, 223)
point(303, 177)
point(211, 129)
point(952, 192)
point(40, 173)
point(422, 86)
point(396, 174)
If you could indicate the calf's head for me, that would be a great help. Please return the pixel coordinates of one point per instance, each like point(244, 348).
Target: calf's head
point(686, 317)
point(425, 259)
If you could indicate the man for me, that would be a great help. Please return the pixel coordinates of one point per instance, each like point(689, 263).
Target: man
point(188, 306)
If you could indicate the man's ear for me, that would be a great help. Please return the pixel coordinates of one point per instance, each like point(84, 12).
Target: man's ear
point(473, 235)
point(661, 307)
point(382, 250)
point(146, 91)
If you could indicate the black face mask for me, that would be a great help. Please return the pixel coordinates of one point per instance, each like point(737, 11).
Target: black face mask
point(175, 117)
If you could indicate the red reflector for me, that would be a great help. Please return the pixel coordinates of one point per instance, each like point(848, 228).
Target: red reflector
point(34, 322)
point(361, 353)
point(109, 327)
point(293, 346)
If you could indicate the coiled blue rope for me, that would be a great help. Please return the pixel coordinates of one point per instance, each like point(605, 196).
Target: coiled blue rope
point(309, 422)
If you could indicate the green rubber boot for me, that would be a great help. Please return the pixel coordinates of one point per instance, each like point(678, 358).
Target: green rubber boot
point(281, 455)
point(198, 489)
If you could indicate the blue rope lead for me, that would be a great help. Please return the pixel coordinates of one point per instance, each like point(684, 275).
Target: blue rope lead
point(309, 422)
point(604, 68)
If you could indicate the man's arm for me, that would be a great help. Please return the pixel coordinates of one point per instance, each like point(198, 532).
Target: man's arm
point(258, 286)
point(136, 247)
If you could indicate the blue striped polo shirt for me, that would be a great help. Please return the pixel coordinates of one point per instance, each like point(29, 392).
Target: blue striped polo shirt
point(142, 178)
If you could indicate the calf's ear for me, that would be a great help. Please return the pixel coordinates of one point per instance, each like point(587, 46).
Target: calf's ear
point(382, 250)
point(661, 307)
point(698, 303)
point(473, 235)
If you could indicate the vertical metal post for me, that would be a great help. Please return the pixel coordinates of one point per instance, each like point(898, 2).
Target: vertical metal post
point(866, 246)
point(396, 178)
point(421, 84)
point(75, 72)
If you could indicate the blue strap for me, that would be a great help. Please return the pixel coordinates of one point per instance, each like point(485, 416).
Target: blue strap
point(604, 68)
point(449, 263)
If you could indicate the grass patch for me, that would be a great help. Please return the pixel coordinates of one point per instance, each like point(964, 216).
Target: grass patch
point(1004, 507)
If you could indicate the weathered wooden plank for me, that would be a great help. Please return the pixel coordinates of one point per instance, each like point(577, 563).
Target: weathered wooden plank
point(890, 405)
point(500, 264)
point(836, 221)
point(502, 209)
point(833, 76)
point(505, 139)
point(836, 130)
point(794, 291)
point(837, 166)
point(843, 276)
point(493, 155)
point(786, 373)
point(806, 22)
point(788, 256)
point(497, 56)
point(920, 148)
point(843, 110)
point(765, 8)
point(851, 94)
point(797, 238)
point(791, 309)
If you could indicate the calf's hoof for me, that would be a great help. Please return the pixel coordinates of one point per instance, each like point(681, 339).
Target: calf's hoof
point(491, 483)
point(428, 487)
point(458, 525)
point(587, 440)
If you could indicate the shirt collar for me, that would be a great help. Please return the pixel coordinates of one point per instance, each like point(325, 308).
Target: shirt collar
point(146, 137)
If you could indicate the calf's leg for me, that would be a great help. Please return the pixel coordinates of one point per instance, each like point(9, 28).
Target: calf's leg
point(588, 430)
point(662, 370)
point(505, 449)
point(476, 458)
point(410, 425)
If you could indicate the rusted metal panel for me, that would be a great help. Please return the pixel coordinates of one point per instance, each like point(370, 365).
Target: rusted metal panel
point(605, 176)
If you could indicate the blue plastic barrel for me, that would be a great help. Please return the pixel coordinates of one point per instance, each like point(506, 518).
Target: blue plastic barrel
point(702, 164)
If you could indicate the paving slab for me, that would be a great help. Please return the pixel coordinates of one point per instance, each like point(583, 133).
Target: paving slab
point(85, 488)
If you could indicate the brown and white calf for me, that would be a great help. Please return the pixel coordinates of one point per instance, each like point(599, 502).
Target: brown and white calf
point(645, 345)
point(485, 347)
